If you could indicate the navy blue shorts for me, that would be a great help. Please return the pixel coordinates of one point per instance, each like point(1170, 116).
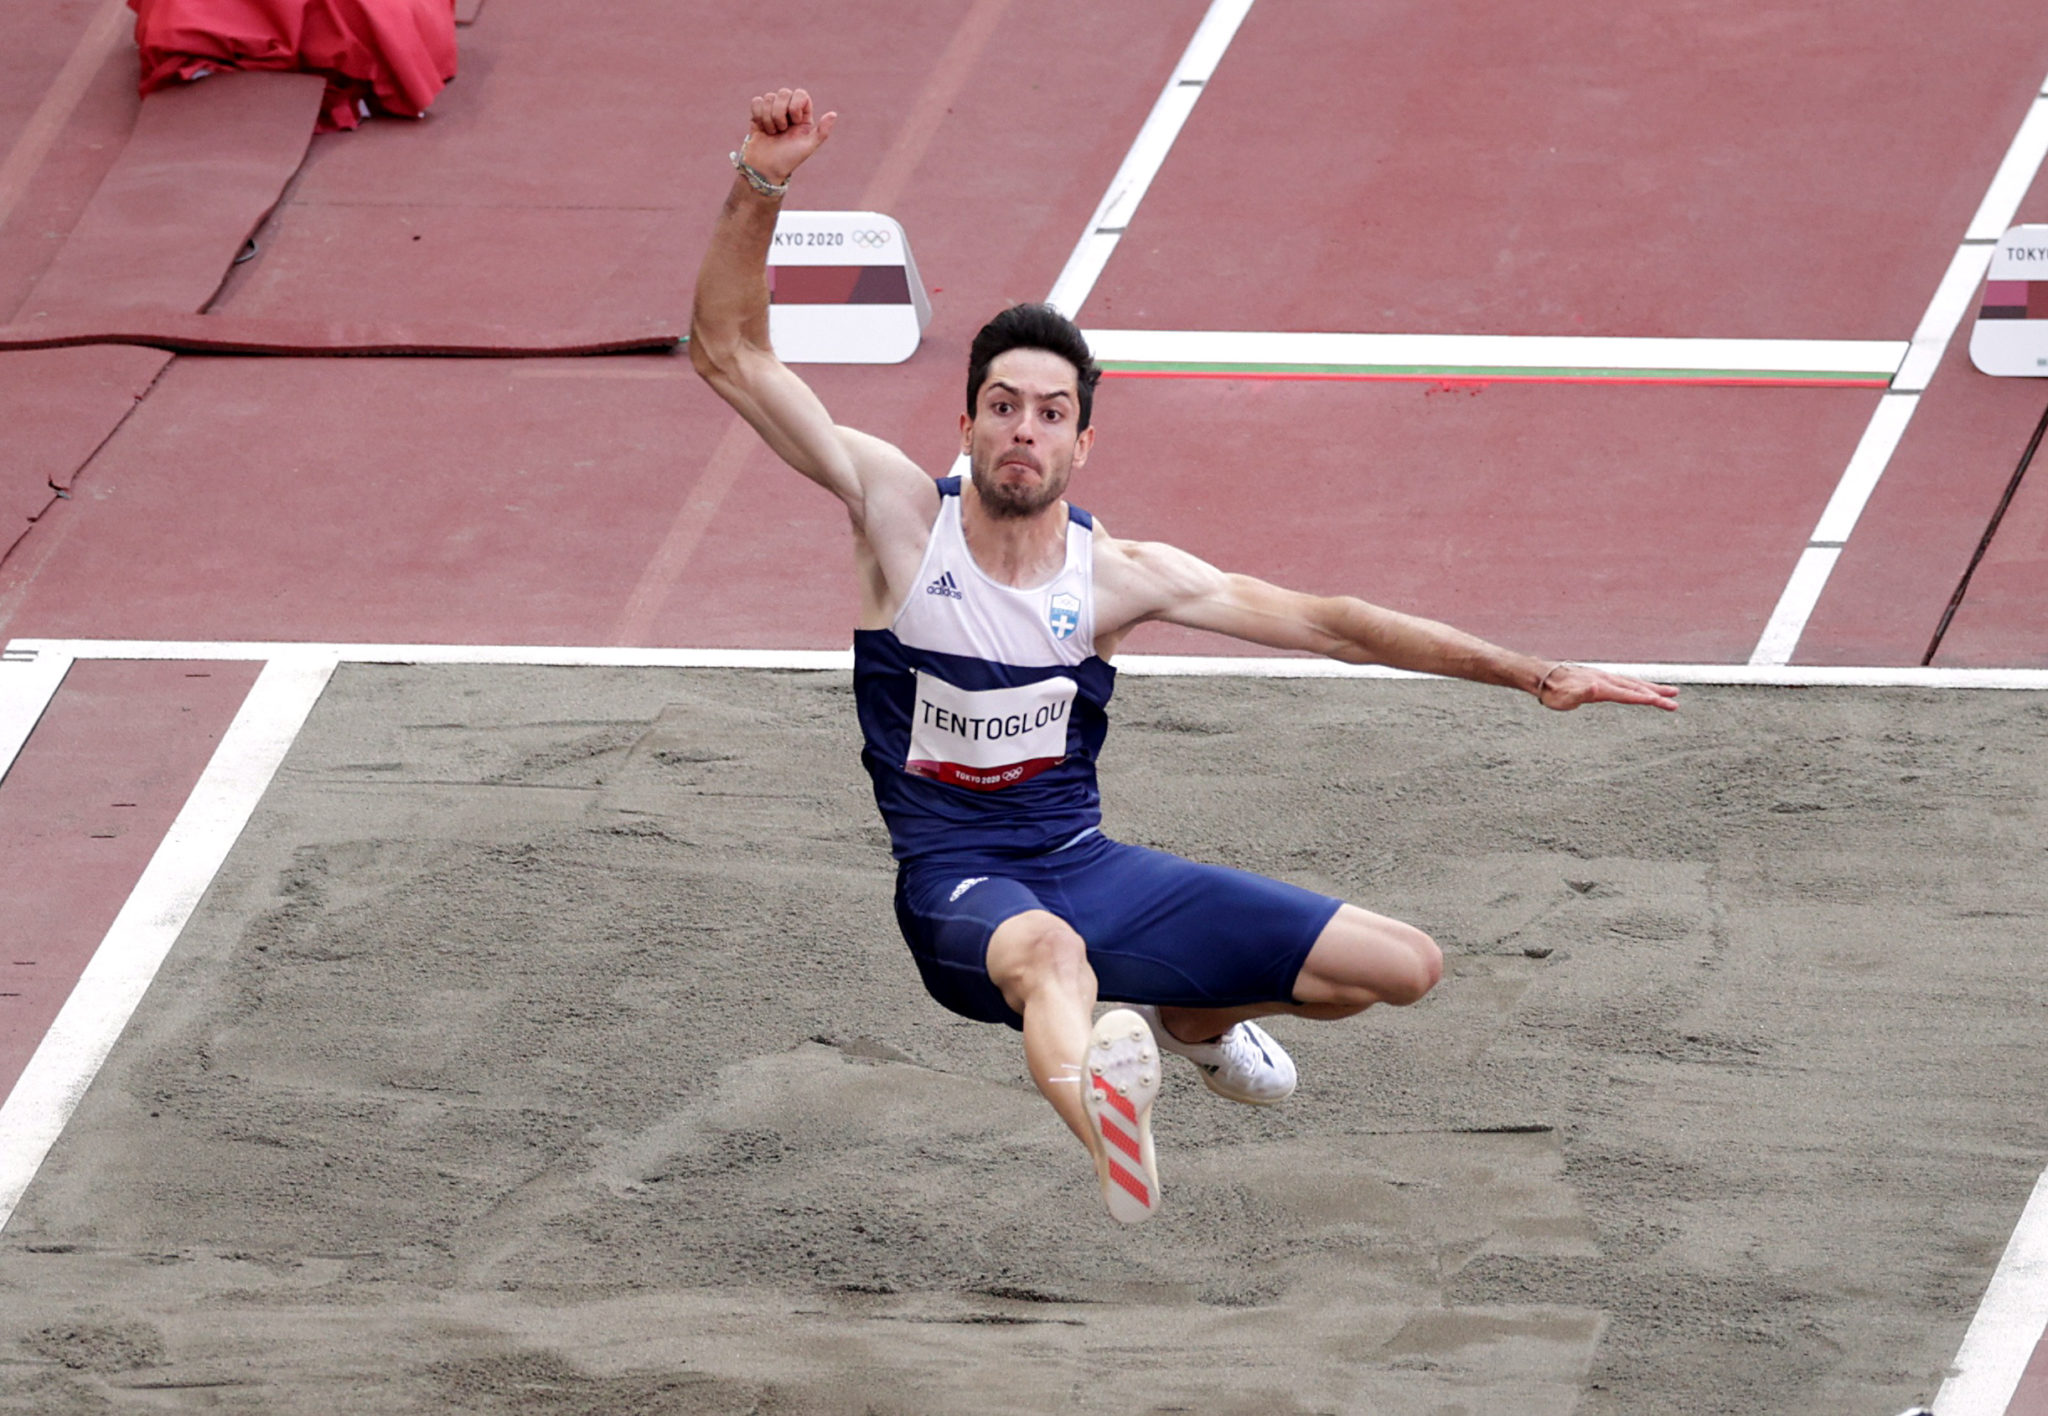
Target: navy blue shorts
point(1159, 929)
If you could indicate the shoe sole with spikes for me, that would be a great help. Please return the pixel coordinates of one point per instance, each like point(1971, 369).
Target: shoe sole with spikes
point(1119, 1084)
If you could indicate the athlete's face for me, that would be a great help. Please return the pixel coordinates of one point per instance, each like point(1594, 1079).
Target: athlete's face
point(1024, 440)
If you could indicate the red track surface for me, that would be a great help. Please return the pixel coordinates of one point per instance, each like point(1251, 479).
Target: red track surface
point(354, 501)
point(589, 501)
point(1564, 519)
point(2001, 620)
point(1924, 522)
point(1748, 172)
point(98, 783)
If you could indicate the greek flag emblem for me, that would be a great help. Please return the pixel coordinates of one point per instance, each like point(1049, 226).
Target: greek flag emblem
point(1064, 615)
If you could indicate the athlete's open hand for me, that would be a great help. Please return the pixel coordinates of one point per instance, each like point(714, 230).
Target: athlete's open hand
point(784, 133)
point(1569, 685)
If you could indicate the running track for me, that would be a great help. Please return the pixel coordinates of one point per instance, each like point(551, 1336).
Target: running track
point(194, 541)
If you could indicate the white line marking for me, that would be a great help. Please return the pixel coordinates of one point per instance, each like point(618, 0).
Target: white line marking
point(1795, 605)
point(1721, 675)
point(1141, 164)
point(1945, 313)
point(1147, 154)
point(2009, 1322)
point(28, 682)
point(169, 889)
point(2015, 174)
point(1871, 358)
point(1141, 665)
point(535, 655)
point(1873, 451)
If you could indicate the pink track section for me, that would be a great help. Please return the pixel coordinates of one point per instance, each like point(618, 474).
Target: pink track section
point(1479, 181)
point(85, 130)
point(588, 501)
point(2001, 620)
point(202, 167)
point(1923, 524)
point(60, 405)
point(1745, 171)
point(82, 811)
point(1562, 519)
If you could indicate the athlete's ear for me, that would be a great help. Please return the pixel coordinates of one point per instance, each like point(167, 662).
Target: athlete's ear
point(1083, 443)
point(966, 433)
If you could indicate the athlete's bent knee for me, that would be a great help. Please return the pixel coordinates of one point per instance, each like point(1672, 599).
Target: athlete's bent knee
point(1419, 973)
point(1032, 951)
point(1364, 959)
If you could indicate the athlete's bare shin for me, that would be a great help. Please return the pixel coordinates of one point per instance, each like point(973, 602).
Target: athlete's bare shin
point(1041, 966)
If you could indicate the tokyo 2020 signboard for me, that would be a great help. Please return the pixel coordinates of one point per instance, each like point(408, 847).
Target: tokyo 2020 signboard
point(843, 289)
point(2011, 337)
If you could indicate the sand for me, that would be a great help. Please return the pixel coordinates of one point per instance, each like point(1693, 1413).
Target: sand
point(546, 1046)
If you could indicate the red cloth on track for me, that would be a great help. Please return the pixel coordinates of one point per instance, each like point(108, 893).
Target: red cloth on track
point(393, 55)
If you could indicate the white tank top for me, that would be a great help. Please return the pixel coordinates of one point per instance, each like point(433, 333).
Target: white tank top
point(983, 706)
point(955, 608)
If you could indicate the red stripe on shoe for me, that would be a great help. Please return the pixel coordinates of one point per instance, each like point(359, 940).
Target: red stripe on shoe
point(1132, 1183)
point(1121, 1105)
point(1118, 1137)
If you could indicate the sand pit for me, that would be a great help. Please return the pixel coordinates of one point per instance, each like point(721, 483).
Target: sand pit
point(546, 1046)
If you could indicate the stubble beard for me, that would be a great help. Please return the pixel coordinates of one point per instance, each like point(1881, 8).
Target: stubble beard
point(1004, 502)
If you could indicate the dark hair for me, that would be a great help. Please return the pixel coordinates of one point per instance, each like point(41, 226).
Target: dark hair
point(1033, 327)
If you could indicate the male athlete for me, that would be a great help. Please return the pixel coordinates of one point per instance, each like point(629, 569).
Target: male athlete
point(989, 610)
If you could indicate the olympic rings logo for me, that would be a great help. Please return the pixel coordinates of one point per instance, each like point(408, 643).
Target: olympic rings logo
point(873, 239)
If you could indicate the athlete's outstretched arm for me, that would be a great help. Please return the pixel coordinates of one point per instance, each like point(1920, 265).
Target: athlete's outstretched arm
point(1151, 581)
point(729, 342)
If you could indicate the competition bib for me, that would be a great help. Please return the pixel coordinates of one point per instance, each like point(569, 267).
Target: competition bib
point(988, 738)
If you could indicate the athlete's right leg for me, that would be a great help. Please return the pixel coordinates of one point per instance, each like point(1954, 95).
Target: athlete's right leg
point(1101, 1076)
point(1041, 966)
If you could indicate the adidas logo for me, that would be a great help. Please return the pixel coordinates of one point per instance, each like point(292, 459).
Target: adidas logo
point(945, 585)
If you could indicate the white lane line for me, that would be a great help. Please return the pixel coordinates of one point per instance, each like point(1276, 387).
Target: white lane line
point(1944, 315)
point(1147, 154)
point(603, 656)
point(1945, 312)
point(2015, 174)
point(2009, 1322)
point(1141, 163)
point(28, 681)
point(156, 910)
point(1866, 358)
point(1796, 604)
point(596, 656)
point(1710, 675)
point(1873, 452)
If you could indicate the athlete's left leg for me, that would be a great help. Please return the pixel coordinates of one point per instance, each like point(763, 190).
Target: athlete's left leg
point(1359, 959)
